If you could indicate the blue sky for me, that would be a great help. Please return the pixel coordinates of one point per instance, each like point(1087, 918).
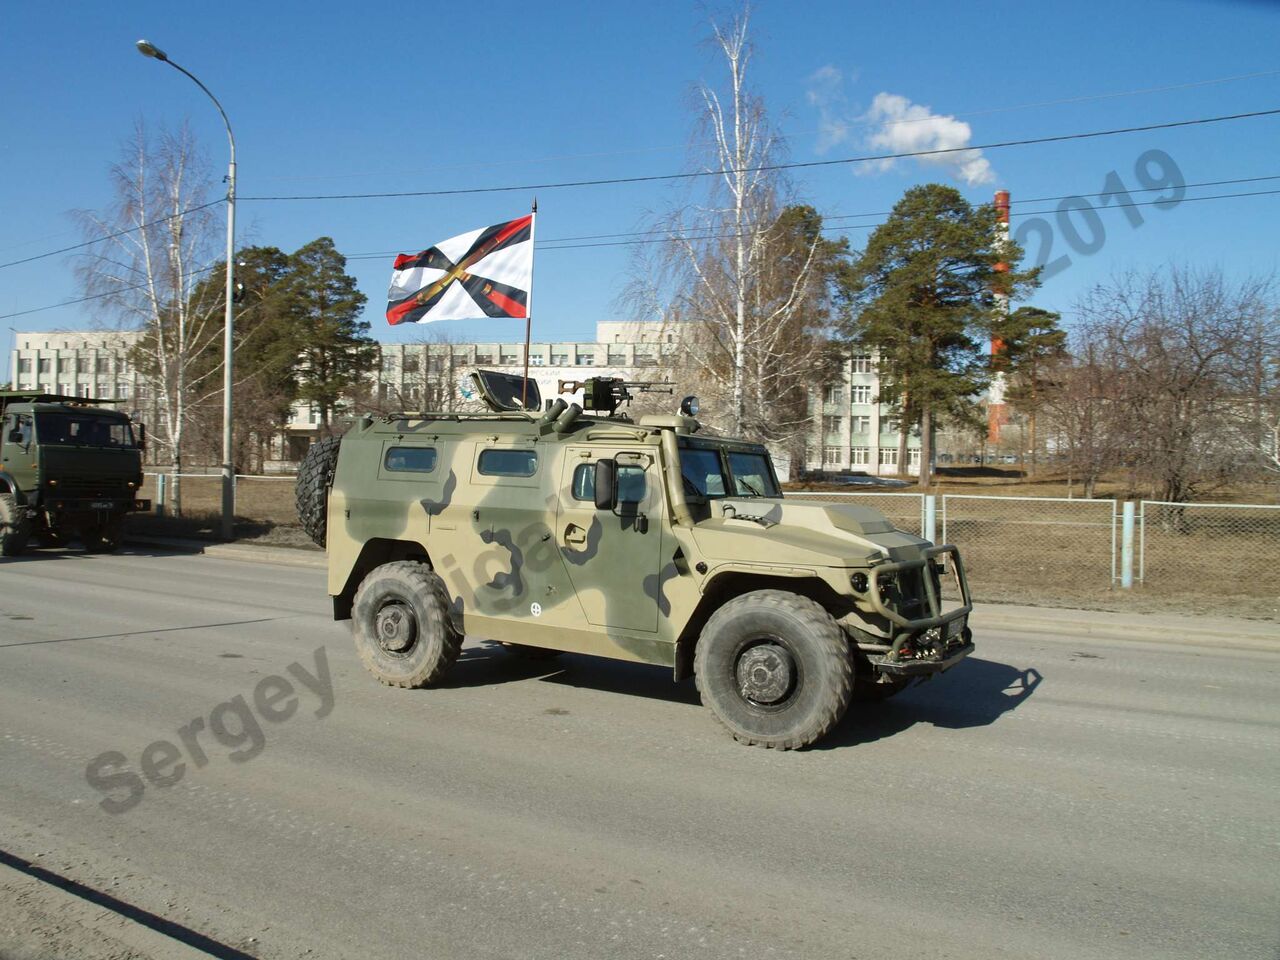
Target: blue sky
point(328, 98)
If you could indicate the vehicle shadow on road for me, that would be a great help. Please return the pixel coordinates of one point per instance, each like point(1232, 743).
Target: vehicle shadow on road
point(488, 664)
point(974, 693)
point(74, 551)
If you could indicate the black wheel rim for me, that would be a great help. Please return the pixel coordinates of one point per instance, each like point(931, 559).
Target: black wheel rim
point(395, 629)
point(766, 674)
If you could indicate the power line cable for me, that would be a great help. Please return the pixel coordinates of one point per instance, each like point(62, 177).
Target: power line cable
point(112, 236)
point(764, 168)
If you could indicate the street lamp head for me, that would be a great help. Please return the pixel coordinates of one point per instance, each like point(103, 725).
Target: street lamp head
point(149, 49)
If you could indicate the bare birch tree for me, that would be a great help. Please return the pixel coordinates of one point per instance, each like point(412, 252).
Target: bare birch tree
point(743, 276)
point(160, 242)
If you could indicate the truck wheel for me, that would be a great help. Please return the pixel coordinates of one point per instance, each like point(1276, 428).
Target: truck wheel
point(101, 537)
point(15, 528)
point(775, 669)
point(311, 493)
point(401, 623)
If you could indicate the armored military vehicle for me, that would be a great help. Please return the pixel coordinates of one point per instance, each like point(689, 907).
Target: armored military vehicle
point(68, 466)
point(587, 531)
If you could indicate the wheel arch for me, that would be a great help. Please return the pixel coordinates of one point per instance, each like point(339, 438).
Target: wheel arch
point(375, 553)
point(730, 584)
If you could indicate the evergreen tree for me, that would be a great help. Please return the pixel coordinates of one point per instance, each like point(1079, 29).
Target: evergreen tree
point(923, 292)
point(1033, 347)
point(331, 342)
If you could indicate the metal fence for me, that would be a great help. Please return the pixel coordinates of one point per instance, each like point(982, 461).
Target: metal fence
point(1229, 549)
point(1201, 556)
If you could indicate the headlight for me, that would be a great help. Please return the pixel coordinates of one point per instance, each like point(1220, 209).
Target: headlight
point(859, 582)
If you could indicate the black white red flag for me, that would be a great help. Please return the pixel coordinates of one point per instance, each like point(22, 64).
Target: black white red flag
point(484, 273)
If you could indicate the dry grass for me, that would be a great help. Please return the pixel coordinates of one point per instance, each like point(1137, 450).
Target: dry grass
point(1219, 562)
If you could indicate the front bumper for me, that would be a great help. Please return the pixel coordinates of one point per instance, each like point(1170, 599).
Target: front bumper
point(69, 506)
point(922, 645)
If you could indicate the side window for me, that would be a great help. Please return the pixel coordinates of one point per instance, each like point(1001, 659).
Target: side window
point(410, 459)
point(632, 484)
point(20, 424)
point(508, 463)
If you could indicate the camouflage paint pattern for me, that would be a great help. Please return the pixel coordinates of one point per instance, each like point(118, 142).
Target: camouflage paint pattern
point(526, 561)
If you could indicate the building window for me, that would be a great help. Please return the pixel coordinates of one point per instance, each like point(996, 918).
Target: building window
point(861, 393)
point(888, 457)
point(832, 456)
point(537, 360)
point(913, 457)
point(646, 358)
point(831, 425)
point(559, 359)
point(861, 424)
point(862, 363)
point(388, 364)
point(889, 425)
point(24, 365)
point(410, 365)
point(586, 359)
point(102, 365)
point(64, 389)
point(122, 391)
point(860, 456)
point(82, 365)
point(43, 366)
point(833, 394)
point(510, 359)
point(484, 357)
point(64, 365)
point(617, 359)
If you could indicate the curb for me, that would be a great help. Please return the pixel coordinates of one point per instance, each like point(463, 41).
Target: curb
point(1062, 621)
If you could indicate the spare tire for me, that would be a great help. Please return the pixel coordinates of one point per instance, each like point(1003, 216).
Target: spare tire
point(311, 494)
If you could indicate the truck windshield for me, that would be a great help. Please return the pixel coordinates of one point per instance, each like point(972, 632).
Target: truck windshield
point(83, 429)
point(715, 473)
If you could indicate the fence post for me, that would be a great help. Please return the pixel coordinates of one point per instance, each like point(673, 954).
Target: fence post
point(930, 517)
point(160, 485)
point(1126, 547)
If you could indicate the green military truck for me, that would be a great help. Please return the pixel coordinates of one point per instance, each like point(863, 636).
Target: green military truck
point(68, 466)
point(641, 540)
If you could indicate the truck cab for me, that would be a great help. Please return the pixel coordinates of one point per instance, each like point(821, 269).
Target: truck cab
point(68, 465)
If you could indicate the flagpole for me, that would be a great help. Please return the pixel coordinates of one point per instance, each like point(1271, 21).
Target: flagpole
point(528, 312)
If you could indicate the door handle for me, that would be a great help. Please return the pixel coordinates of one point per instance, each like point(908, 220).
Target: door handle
point(575, 534)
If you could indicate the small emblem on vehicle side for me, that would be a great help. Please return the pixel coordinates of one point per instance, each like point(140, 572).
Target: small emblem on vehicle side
point(535, 609)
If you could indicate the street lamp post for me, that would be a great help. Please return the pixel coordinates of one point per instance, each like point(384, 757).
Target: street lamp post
point(148, 49)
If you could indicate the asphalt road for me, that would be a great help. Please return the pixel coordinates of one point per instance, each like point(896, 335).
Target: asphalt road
point(1054, 796)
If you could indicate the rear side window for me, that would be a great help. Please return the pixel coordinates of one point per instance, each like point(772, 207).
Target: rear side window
point(508, 463)
point(410, 459)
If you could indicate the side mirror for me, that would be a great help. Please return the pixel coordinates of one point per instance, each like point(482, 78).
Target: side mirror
point(606, 484)
point(142, 437)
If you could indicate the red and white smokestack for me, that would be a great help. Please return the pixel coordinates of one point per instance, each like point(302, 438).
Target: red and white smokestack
point(997, 415)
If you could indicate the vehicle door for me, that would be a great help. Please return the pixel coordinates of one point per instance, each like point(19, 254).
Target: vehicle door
point(613, 556)
point(17, 449)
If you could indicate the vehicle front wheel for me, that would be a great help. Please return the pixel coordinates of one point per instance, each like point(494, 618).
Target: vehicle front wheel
point(400, 619)
point(15, 528)
point(775, 668)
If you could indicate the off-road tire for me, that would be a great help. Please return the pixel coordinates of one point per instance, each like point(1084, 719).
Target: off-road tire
point(821, 669)
point(103, 536)
point(15, 528)
point(414, 592)
point(311, 493)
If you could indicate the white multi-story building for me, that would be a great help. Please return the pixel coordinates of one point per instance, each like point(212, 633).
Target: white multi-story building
point(850, 431)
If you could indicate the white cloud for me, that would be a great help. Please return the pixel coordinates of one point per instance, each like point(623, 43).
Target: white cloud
point(826, 94)
point(905, 127)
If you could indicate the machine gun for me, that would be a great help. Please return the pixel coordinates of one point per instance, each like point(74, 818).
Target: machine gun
point(606, 394)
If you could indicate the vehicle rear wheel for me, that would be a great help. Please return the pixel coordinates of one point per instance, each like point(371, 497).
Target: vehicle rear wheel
point(15, 528)
point(775, 668)
point(101, 536)
point(311, 493)
point(400, 619)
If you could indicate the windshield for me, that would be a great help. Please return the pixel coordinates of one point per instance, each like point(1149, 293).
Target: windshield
point(747, 474)
point(83, 430)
